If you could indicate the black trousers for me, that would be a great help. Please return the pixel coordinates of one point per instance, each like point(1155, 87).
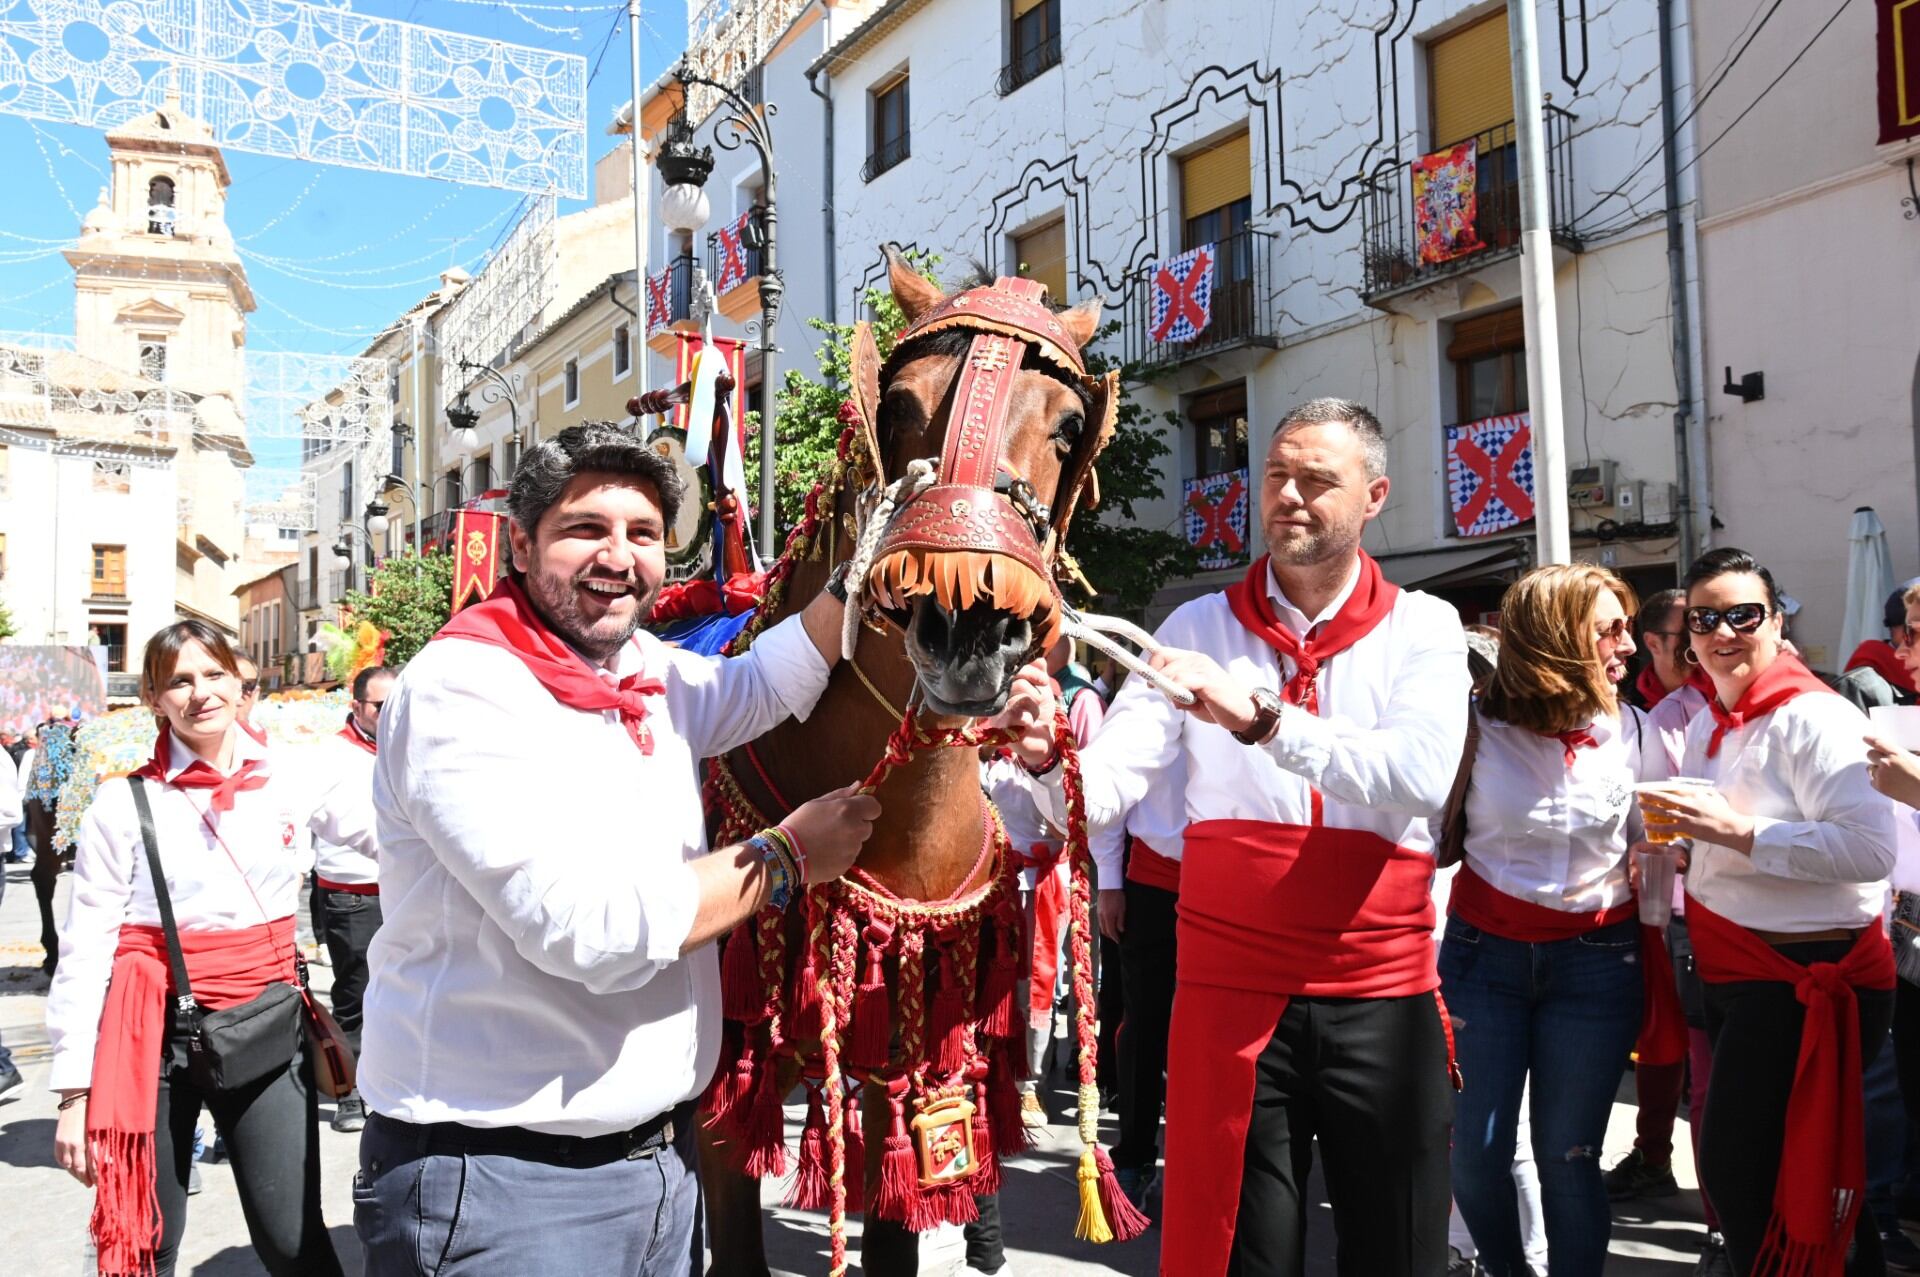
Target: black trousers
point(273, 1141)
point(1110, 1009)
point(346, 926)
point(887, 1249)
point(1147, 954)
point(1367, 1079)
point(1755, 1026)
point(1906, 1042)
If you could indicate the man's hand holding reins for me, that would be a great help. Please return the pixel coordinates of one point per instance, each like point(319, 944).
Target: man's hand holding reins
point(1217, 696)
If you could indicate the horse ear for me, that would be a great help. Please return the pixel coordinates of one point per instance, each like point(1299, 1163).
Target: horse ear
point(915, 292)
point(866, 391)
point(1082, 321)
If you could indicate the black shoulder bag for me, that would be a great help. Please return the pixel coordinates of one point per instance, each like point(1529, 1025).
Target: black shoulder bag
point(225, 1049)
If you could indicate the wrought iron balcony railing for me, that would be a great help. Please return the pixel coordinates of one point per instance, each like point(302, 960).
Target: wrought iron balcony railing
point(1393, 259)
point(717, 260)
point(1240, 309)
point(886, 156)
point(1029, 63)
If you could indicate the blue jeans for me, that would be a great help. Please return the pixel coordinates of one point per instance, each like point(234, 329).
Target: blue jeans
point(1566, 1013)
point(1886, 1118)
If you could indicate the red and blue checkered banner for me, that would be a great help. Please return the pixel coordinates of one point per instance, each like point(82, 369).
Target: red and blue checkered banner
point(659, 295)
point(1214, 518)
point(1490, 474)
point(731, 270)
point(1183, 295)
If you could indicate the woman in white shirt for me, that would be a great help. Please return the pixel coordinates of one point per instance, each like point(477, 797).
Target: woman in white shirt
point(1792, 848)
point(1541, 960)
point(233, 833)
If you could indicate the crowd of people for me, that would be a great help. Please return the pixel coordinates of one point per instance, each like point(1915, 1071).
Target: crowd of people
point(1391, 895)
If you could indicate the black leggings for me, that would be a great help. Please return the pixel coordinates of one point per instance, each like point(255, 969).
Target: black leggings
point(1755, 1027)
point(271, 1129)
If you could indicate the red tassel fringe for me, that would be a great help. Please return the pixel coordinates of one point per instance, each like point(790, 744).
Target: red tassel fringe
point(1003, 1104)
point(803, 1017)
point(871, 1041)
point(742, 998)
point(727, 1096)
point(126, 1209)
point(997, 986)
point(856, 1180)
point(949, 1022)
point(809, 1190)
point(987, 1178)
point(899, 1191)
point(1123, 1217)
point(764, 1125)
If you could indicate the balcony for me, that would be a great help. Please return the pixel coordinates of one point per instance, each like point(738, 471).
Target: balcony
point(679, 272)
point(1241, 311)
point(1029, 63)
point(886, 155)
point(435, 529)
point(737, 301)
point(1393, 263)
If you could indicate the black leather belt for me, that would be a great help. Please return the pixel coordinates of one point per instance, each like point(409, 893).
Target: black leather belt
point(641, 1141)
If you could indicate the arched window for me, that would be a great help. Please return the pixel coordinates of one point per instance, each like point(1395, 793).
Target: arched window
point(160, 206)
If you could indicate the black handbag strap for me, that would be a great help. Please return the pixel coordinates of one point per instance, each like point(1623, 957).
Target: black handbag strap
point(183, 991)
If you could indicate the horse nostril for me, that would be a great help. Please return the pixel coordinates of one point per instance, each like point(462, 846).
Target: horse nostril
point(933, 627)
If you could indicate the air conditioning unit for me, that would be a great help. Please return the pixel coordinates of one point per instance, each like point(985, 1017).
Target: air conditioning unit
point(1591, 486)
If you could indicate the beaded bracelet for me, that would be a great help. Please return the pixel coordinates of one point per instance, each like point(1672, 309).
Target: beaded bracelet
point(780, 868)
point(796, 849)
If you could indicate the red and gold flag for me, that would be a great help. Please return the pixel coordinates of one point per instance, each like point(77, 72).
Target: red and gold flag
point(477, 555)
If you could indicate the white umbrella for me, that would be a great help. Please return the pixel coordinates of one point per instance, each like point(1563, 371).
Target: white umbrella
point(1869, 581)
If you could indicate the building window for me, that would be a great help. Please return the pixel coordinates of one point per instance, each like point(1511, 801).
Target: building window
point(1042, 255)
point(153, 358)
point(112, 476)
point(1470, 86)
point(160, 210)
point(892, 141)
point(1219, 418)
point(452, 480)
point(1033, 41)
point(622, 350)
point(312, 597)
point(110, 571)
point(1216, 199)
point(114, 637)
point(482, 471)
point(571, 377)
point(1489, 357)
point(346, 492)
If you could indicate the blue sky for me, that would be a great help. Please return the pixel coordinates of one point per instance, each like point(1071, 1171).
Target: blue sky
point(333, 253)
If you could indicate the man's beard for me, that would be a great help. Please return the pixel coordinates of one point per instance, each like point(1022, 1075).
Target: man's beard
point(558, 601)
point(1305, 547)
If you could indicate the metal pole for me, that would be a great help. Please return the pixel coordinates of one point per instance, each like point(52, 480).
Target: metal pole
point(770, 290)
point(419, 422)
point(639, 206)
point(1536, 291)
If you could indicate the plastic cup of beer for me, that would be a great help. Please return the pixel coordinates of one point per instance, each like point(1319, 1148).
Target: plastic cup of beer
point(1657, 866)
point(1654, 814)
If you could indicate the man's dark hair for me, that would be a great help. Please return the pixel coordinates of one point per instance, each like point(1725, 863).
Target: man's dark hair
point(1728, 561)
point(1330, 411)
point(1656, 612)
point(367, 676)
point(591, 446)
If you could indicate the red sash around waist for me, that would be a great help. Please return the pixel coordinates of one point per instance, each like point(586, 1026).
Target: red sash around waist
point(226, 969)
point(1151, 869)
point(351, 888)
point(1823, 1159)
point(1663, 1022)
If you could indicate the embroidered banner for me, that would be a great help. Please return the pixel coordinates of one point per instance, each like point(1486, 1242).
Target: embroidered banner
point(477, 562)
point(1214, 518)
point(731, 270)
point(659, 305)
point(735, 352)
point(1444, 204)
point(1490, 474)
point(1899, 41)
point(1183, 295)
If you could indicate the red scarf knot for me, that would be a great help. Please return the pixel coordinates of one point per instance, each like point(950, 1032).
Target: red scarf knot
point(1372, 598)
point(1574, 741)
point(201, 775)
point(633, 707)
point(1777, 684)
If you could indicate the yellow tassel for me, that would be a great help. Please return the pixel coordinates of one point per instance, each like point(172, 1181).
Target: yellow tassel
point(1093, 1220)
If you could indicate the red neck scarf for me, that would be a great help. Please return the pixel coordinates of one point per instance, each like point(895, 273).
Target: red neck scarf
point(1574, 741)
point(352, 732)
point(1823, 1162)
point(1372, 598)
point(507, 619)
point(1652, 689)
point(1779, 683)
point(1878, 655)
point(199, 774)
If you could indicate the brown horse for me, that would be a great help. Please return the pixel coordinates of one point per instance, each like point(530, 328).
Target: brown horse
point(950, 632)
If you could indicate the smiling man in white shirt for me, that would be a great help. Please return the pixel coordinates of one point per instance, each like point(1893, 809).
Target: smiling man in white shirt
point(545, 1000)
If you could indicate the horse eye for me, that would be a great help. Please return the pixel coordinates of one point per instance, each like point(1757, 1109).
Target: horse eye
point(1068, 432)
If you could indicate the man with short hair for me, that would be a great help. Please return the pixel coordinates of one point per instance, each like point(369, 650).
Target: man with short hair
point(545, 998)
point(1327, 717)
point(249, 690)
point(1671, 689)
point(346, 881)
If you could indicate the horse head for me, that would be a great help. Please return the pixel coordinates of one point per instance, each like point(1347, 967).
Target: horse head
point(986, 409)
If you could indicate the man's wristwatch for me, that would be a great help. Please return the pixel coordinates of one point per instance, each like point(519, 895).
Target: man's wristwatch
point(837, 581)
point(1267, 707)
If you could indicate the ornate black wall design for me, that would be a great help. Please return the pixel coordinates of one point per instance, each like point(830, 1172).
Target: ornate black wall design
point(876, 272)
point(1037, 178)
point(1567, 72)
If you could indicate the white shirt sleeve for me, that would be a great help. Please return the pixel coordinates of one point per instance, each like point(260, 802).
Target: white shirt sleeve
point(721, 702)
point(342, 798)
point(1139, 738)
point(1847, 831)
point(10, 804)
point(102, 885)
point(609, 922)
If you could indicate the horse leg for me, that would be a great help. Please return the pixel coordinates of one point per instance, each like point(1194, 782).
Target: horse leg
point(735, 1229)
point(887, 1248)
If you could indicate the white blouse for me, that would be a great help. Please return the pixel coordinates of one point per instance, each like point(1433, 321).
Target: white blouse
point(1553, 835)
point(1823, 838)
point(269, 834)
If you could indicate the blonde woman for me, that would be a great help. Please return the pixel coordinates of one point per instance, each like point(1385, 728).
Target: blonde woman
point(1541, 962)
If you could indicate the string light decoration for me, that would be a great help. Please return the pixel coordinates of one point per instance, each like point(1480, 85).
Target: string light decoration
point(508, 294)
point(323, 400)
point(310, 82)
point(291, 499)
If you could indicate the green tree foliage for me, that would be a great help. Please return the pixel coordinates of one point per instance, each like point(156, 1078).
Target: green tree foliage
point(410, 597)
point(7, 629)
point(1127, 563)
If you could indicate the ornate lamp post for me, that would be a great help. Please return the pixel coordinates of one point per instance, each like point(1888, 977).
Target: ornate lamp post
point(396, 484)
point(464, 417)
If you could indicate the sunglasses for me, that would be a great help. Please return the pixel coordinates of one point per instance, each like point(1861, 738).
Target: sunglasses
point(1741, 618)
point(1615, 630)
point(248, 686)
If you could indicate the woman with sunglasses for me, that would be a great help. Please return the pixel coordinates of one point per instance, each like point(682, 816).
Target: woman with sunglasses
point(1541, 963)
point(1787, 881)
point(233, 832)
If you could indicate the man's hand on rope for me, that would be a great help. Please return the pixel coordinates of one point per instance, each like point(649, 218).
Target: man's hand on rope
point(1031, 706)
point(1217, 696)
point(832, 829)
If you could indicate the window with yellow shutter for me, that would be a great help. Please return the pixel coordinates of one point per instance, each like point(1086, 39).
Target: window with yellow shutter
point(1216, 204)
point(110, 571)
point(1042, 254)
point(1471, 78)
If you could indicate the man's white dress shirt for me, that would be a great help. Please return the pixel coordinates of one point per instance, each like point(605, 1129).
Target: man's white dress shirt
point(268, 837)
point(1670, 717)
point(535, 888)
point(352, 768)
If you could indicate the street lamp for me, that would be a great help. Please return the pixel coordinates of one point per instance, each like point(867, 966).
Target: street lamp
point(403, 434)
point(464, 418)
point(377, 522)
point(743, 125)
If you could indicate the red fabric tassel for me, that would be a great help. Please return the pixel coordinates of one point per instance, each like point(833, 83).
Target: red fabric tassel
point(997, 985)
point(898, 1197)
point(949, 1020)
point(872, 1038)
point(1123, 1217)
point(763, 1128)
point(732, 1084)
point(947, 1204)
point(987, 1178)
point(1003, 1103)
point(742, 998)
point(809, 1190)
point(803, 1016)
point(126, 1211)
point(856, 1172)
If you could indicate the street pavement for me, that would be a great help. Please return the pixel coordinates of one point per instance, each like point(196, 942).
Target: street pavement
point(46, 1211)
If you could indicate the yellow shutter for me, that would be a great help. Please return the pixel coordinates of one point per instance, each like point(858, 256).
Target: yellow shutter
point(1042, 255)
point(1023, 7)
point(1217, 176)
point(1472, 78)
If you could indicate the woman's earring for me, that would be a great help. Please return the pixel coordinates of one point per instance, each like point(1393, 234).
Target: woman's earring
point(1687, 655)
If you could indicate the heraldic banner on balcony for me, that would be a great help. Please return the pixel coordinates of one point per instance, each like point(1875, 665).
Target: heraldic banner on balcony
point(731, 270)
point(1899, 50)
point(1444, 203)
point(1214, 518)
point(478, 543)
point(1183, 295)
point(659, 300)
point(1490, 474)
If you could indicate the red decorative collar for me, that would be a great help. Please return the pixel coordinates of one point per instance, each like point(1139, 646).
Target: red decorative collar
point(1779, 683)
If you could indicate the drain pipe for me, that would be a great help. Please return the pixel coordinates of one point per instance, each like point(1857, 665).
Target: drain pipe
point(826, 190)
point(1692, 509)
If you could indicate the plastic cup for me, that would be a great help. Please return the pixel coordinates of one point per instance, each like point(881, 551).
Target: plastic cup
point(1653, 814)
point(1656, 884)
